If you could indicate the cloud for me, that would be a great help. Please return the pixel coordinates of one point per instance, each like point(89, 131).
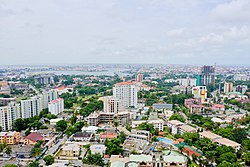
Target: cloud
point(212, 38)
point(234, 11)
point(175, 32)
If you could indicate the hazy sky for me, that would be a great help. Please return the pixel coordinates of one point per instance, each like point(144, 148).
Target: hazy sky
point(124, 31)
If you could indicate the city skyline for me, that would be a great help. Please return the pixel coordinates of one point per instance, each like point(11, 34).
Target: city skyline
point(124, 32)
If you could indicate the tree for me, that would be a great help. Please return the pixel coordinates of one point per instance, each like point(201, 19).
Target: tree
point(27, 132)
point(36, 151)
point(93, 159)
point(228, 156)
point(61, 125)
point(2, 146)
point(73, 120)
point(113, 146)
point(181, 147)
point(10, 165)
point(19, 125)
point(147, 126)
point(8, 150)
point(122, 137)
point(49, 159)
point(225, 164)
point(247, 158)
point(34, 164)
point(246, 144)
point(177, 117)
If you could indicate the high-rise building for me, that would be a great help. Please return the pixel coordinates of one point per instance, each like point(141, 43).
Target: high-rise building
point(36, 104)
point(207, 76)
point(228, 87)
point(111, 105)
point(126, 92)
point(56, 106)
point(48, 97)
point(241, 88)
point(8, 114)
point(44, 79)
point(31, 107)
point(139, 78)
point(200, 93)
point(187, 81)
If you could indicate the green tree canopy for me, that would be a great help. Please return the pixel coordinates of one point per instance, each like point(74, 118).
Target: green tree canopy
point(61, 125)
point(49, 159)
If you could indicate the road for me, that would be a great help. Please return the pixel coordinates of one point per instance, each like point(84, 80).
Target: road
point(53, 149)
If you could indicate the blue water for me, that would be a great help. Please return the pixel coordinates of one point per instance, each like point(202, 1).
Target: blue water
point(165, 140)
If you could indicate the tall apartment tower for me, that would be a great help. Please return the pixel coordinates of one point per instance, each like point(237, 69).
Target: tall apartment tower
point(126, 92)
point(228, 87)
point(56, 106)
point(111, 105)
point(48, 97)
point(31, 107)
point(8, 114)
point(139, 78)
point(207, 76)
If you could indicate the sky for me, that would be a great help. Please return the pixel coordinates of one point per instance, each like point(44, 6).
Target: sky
point(35, 32)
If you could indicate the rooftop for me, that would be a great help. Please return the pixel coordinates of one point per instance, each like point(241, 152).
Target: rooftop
point(82, 134)
point(173, 157)
point(210, 135)
point(227, 142)
point(140, 158)
point(34, 137)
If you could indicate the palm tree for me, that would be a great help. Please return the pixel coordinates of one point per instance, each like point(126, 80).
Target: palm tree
point(36, 151)
point(8, 150)
point(181, 148)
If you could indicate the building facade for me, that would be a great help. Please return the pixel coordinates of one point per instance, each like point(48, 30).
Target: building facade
point(31, 107)
point(200, 93)
point(207, 76)
point(112, 105)
point(126, 92)
point(228, 87)
point(8, 114)
point(56, 106)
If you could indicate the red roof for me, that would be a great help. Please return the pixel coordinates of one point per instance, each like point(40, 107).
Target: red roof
point(34, 137)
point(218, 106)
point(190, 152)
point(125, 83)
point(108, 135)
point(61, 87)
point(161, 133)
point(56, 100)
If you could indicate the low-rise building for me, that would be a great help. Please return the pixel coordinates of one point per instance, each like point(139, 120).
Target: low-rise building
point(219, 140)
point(162, 106)
point(158, 123)
point(71, 150)
point(98, 148)
point(139, 135)
point(227, 142)
point(186, 129)
point(82, 136)
point(90, 129)
point(54, 121)
point(93, 119)
point(32, 138)
point(167, 159)
point(107, 135)
point(10, 138)
point(209, 135)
